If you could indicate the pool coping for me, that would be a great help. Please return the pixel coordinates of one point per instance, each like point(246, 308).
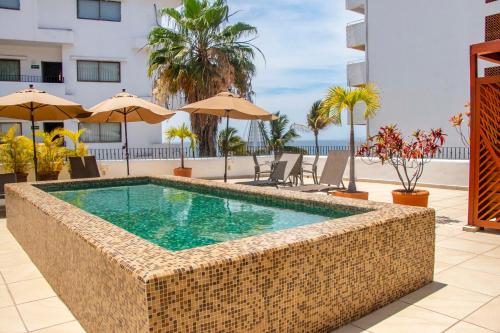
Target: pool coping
point(147, 261)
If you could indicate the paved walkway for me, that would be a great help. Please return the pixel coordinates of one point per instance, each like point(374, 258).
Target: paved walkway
point(464, 298)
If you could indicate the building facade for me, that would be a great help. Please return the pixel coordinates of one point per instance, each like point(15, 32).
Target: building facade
point(417, 53)
point(81, 50)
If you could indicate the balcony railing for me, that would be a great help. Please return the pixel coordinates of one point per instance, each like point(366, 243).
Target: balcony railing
point(32, 78)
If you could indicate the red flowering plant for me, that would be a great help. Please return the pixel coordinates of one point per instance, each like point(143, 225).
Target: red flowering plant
point(408, 157)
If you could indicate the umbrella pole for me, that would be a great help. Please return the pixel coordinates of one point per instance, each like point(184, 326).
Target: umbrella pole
point(35, 160)
point(126, 144)
point(226, 146)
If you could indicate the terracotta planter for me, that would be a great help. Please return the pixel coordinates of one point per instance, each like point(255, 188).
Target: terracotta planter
point(354, 195)
point(183, 172)
point(419, 198)
point(53, 175)
point(21, 177)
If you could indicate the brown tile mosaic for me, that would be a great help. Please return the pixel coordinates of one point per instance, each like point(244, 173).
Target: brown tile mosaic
point(312, 278)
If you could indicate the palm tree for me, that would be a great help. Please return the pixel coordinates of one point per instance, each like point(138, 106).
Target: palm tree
point(339, 99)
point(234, 142)
point(317, 120)
point(182, 132)
point(199, 55)
point(279, 133)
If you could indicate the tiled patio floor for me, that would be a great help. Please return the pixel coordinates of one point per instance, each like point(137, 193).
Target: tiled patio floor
point(464, 298)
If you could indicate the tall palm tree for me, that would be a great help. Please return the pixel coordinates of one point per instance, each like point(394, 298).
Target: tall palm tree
point(279, 133)
point(339, 99)
point(230, 141)
point(317, 120)
point(197, 55)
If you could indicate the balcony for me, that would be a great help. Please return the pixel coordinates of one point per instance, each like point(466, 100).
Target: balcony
point(356, 73)
point(31, 78)
point(356, 35)
point(357, 6)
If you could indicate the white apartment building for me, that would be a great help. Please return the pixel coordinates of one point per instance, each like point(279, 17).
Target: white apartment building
point(81, 50)
point(417, 53)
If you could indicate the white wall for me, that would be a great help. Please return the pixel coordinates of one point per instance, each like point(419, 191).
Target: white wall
point(418, 55)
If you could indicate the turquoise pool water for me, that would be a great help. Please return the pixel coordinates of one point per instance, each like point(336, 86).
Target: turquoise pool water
point(179, 219)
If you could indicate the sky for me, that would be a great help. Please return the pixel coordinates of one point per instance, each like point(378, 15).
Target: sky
point(305, 53)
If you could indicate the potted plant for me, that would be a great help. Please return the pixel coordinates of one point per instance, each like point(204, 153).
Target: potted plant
point(339, 99)
point(16, 154)
point(407, 157)
point(51, 154)
point(78, 149)
point(183, 133)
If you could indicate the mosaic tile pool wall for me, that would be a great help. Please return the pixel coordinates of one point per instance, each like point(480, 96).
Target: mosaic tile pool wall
point(312, 278)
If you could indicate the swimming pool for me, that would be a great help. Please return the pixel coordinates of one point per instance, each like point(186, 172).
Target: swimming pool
point(178, 218)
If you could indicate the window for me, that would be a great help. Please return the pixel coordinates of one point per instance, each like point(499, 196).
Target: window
point(98, 71)
point(5, 126)
point(10, 70)
point(10, 4)
point(105, 132)
point(99, 10)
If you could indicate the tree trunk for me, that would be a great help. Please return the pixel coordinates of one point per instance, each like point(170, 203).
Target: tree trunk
point(316, 141)
point(352, 177)
point(182, 153)
point(205, 128)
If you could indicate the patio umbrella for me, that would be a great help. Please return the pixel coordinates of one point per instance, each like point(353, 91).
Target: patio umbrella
point(125, 108)
point(229, 105)
point(37, 105)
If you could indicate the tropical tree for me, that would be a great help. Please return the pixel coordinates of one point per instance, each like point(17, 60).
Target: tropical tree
point(51, 152)
point(339, 99)
point(279, 133)
point(183, 133)
point(16, 153)
point(79, 148)
point(199, 54)
point(234, 142)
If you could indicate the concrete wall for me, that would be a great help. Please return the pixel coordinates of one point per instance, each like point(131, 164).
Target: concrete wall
point(418, 55)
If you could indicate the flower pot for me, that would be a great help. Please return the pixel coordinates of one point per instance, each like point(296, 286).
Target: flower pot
point(419, 198)
point(21, 177)
point(183, 172)
point(53, 175)
point(352, 195)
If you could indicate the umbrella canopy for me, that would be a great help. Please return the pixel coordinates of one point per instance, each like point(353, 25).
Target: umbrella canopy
point(229, 105)
point(37, 105)
point(124, 108)
point(226, 103)
point(127, 107)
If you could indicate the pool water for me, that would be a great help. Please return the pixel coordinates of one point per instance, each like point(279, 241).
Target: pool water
point(178, 219)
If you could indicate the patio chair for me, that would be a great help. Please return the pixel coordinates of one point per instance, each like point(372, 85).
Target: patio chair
point(311, 168)
point(6, 178)
point(283, 172)
point(83, 167)
point(261, 168)
point(331, 176)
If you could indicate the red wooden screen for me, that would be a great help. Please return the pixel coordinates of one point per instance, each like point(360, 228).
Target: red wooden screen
point(484, 189)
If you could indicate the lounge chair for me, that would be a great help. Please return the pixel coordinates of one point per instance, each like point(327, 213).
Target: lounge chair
point(331, 176)
point(283, 173)
point(83, 167)
point(311, 168)
point(6, 178)
point(261, 168)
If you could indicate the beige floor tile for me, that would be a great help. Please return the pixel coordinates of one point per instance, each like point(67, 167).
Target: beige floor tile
point(448, 300)
point(30, 290)
point(10, 322)
point(440, 266)
point(440, 238)
point(487, 316)
point(483, 264)
point(451, 256)
point(349, 329)
point(5, 299)
point(9, 246)
point(21, 273)
point(71, 327)
point(448, 230)
point(466, 245)
point(493, 253)
point(469, 279)
point(484, 237)
point(400, 317)
point(13, 259)
point(463, 327)
point(45, 313)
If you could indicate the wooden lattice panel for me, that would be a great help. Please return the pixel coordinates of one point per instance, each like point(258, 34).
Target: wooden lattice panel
point(492, 71)
point(492, 27)
point(488, 154)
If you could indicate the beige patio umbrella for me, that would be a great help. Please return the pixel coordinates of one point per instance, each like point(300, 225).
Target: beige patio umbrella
point(125, 108)
point(37, 105)
point(229, 105)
